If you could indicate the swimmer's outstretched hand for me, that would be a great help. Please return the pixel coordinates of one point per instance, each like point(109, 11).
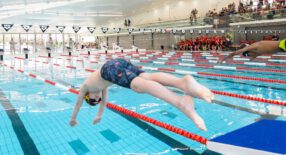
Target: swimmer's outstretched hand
point(96, 120)
point(73, 122)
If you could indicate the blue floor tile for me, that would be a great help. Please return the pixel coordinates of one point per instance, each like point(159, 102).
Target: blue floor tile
point(78, 147)
point(110, 136)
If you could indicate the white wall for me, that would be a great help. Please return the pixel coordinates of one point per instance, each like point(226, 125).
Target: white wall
point(177, 9)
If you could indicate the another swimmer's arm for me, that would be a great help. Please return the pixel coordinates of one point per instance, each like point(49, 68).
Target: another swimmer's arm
point(101, 106)
point(78, 105)
point(238, 52)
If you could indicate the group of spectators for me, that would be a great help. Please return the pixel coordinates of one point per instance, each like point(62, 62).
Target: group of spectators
point(230, 9)
point(205, 43)
point(248, 7)
point(262, 5)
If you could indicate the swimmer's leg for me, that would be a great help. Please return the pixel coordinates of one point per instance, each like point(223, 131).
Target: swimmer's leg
point(183, 103)
point(187, 84)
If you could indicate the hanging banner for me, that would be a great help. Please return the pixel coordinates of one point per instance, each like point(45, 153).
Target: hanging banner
point(44, 28)
point(91, 29)
point(184, 31)
point(174, 30)
point(200, 31)
point(142, 30)
point(130, 30)
point(153, 30)
point(214, 31)
point(223, 31)
point(26, 27)
point(163, 31)
point(117, 30)
point(7, 27)
point(61, 28)
point(104, 29)
point(76, 29)
point(207, 31)
point(191, 31)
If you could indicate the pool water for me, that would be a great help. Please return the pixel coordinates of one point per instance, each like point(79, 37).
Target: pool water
point(35, 116)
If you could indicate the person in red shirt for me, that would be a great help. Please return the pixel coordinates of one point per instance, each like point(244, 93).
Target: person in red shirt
point(197, 43)
point(213, 38)
point(191, 43)
point(204, 42)
point(217, 40)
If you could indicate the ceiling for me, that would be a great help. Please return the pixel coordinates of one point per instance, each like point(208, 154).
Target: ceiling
point(72, 12)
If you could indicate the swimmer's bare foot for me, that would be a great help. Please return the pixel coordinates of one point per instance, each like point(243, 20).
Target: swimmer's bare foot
point(187, 107)
point(197, 90)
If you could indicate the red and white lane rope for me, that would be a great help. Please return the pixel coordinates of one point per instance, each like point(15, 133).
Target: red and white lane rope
point(144, 60)
point(122, 110)
point(186, 59)
point(207, 56)
point(194, 73)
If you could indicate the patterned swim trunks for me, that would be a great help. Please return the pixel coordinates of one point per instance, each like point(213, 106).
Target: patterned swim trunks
point(120, 72)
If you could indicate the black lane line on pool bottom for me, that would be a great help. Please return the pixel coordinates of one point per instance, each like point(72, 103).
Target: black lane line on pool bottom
point(262, 115)
point(182, 148)
point(26, 142)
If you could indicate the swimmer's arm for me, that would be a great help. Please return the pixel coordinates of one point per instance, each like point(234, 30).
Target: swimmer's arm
point(238, 52)
point(103, 103)
point(101, 107)
point(80, 98)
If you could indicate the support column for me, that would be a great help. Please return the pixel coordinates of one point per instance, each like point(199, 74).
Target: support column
point(152, 41)
point(63, 42)
point(4, 41)
point(20, 43)
point(117, 40)
point(35, 42)
point(107, 41)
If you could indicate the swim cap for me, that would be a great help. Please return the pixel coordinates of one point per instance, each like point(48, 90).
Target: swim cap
point(246, 53)
point(91, 101)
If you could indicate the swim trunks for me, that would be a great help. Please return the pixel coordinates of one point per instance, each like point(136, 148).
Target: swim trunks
point(120, 72)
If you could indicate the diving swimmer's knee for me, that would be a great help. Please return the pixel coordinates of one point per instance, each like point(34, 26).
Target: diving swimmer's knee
point(135, 85)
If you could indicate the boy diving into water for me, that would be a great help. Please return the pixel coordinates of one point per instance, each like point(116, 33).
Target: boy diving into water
point(125, 74)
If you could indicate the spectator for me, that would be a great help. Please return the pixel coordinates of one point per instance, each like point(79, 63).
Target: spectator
point(194, 13)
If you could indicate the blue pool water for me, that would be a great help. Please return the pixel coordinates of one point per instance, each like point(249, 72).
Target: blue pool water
point(35, 116)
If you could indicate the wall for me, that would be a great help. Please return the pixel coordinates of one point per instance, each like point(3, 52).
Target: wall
point(259, 35)
point(126, 41)
point(174, 10)
point(111, 40)
point(143, 41)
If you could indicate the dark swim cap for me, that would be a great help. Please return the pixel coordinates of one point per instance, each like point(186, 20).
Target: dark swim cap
point(91, 101)
point(246, 53)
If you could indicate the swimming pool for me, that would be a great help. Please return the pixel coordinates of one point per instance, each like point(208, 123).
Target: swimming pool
point(35, 115)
